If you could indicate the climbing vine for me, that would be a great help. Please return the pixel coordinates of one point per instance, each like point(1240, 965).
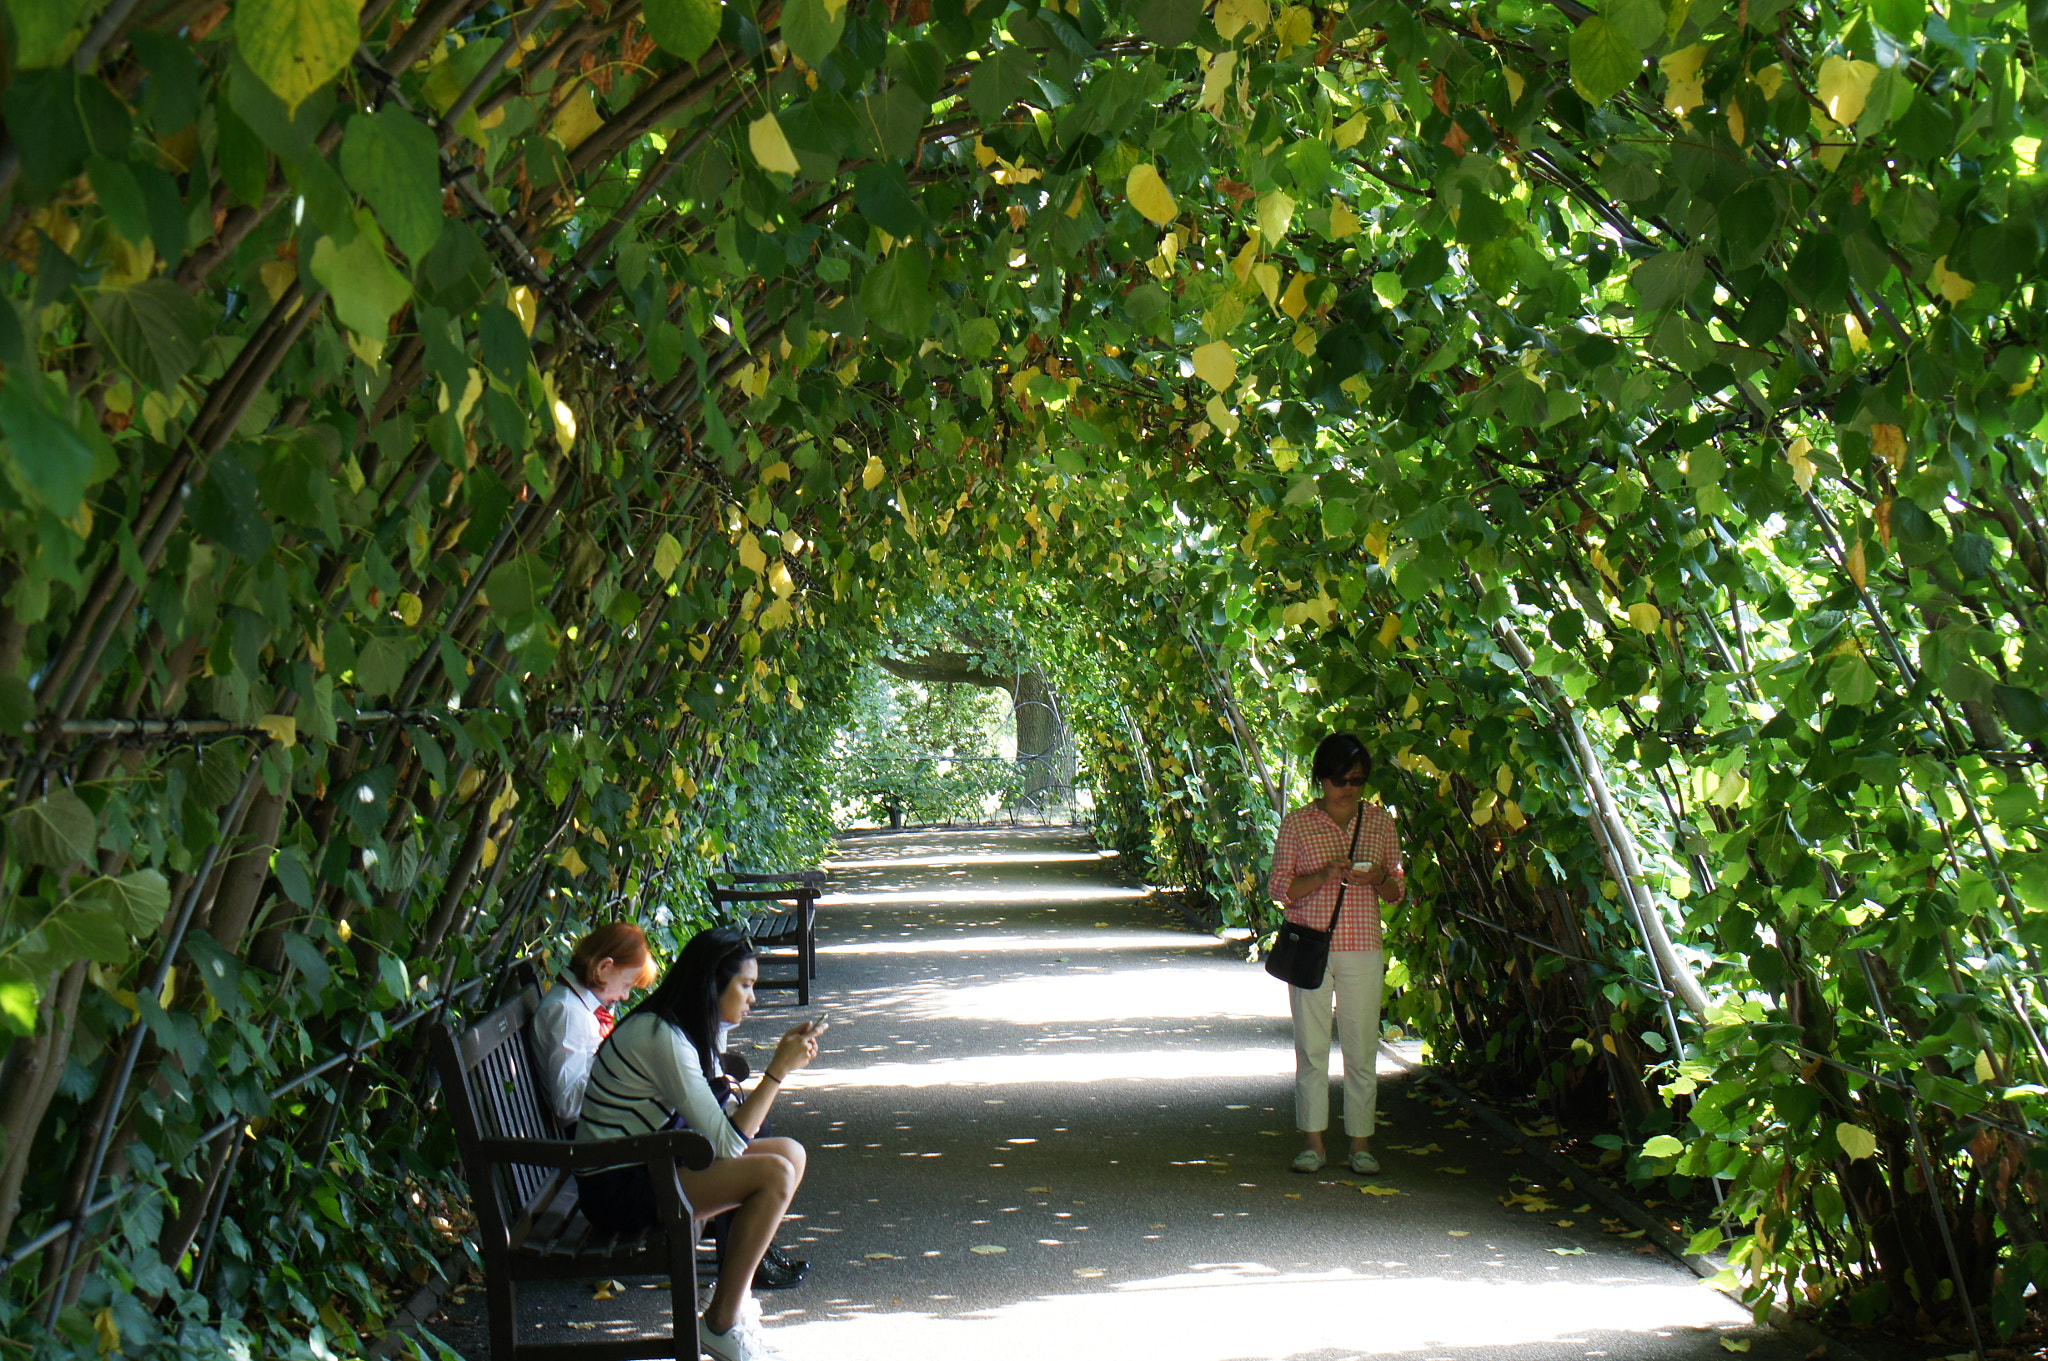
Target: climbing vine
point(457, 457)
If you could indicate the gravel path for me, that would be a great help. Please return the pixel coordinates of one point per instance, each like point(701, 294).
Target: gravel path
point(1051, 1120)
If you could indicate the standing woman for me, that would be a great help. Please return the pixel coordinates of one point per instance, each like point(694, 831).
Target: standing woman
point(655, 1072)
point(1312, 859)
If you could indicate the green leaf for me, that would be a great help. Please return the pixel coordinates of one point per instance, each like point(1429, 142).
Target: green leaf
point(1854, 1140)
point(114, 185)
point(1900, 18)
point(1641, 22)
point(1604, 61)
point(296, 46)
point(519, 586)
point(56, 830)
point(1664, 279)
point(1169, 23)
point(664, 342)
point(897, 293)
point(883, 194)
point(20, 992)
point(381, 662)
point(48, 459)
point(367, 290)
point(46, 31)
point(393, 160)
point(153, 330)
point(686, 28)
point(85, 928)
point(224, 507)
point(891, 121)
point(1662, 1146)
point(140, 898)
point(1749, 220)
point(2024, 709)
point(1000, 81)
point(812, 28)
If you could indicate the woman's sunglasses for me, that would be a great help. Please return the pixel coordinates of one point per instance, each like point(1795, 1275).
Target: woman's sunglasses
point(1346, 781)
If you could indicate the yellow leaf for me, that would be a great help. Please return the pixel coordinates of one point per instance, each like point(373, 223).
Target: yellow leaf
point(344, 930)
point(565, 424)
point(1511, 813)
point(1645, 617)
point(1735, 1344)
point(1371, 1190)
point(1844, 87)
point(1684, 88)
point(987, 1249)
point(1295, 300)
point(1858, 342)
point(1858, 563)
point(780, 582)
point(578, 118)
point(571, 861)
point(1951, 285)
point(1802, 465)
point(277, 276)
point(106, 1330)
point(1516, 84)
point(1149, 195)
point(1276, 211)
point(1216, 365)
point(668, 555)
point(1241, 263)
point(1504, 779)
point(1459, 1233)
point(751, 556)
point(1304, 340)
point(490, 853)
point(282, 729)
point(871, 476)
point(1985, 1072)
point(1607, 1043)
point(1350, 132)
point(1855, 1140)
point(1297, 28)
point(1770, 80)
point(1738, 126)
point(525, 306)
point(770, 146)
point(1233, 16)
point(1267, 274)
point(1888, 442)
point(984, 154)
point(1390, 629)
point(1343, 222)
point(1216, 83)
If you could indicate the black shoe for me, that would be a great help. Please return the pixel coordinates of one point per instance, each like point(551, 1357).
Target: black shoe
point(778, 1272)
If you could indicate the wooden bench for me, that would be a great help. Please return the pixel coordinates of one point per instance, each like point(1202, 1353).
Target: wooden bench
point(521, 1174)
point(779, 914)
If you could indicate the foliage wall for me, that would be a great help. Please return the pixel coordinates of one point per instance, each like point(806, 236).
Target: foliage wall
point(456, 456)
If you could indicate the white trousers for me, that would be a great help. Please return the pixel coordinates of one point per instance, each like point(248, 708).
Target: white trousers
point(1353, 983)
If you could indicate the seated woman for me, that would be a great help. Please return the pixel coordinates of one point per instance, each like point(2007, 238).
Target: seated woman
point(576, 1013)
point(656, 1072)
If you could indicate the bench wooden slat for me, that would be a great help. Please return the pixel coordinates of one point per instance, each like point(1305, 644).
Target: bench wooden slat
point(779, 913)
point(528, 1224)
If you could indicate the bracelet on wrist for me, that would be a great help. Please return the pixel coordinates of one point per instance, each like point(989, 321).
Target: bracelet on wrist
point(775, 1078)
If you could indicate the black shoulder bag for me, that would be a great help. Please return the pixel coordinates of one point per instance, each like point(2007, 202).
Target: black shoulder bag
point(1301, 953)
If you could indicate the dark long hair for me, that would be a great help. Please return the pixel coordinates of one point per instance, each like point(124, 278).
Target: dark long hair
point(688, 995)
point(1336, 754)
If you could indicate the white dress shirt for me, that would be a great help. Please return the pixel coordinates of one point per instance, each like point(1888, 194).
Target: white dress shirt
point(566, 1035)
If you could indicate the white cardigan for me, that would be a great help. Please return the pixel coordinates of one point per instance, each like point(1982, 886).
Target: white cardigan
point(646, 1075)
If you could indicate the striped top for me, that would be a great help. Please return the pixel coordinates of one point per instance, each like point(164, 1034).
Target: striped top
point(646, 1075)
point(1308, 841)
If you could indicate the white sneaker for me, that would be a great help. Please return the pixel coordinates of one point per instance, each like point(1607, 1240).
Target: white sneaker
point(742, 1343)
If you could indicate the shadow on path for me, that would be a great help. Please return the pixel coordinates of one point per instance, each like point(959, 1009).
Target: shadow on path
point(1049, 1120)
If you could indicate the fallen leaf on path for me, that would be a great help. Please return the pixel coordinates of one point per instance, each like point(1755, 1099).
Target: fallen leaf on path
point(1458, 1124)
point(1038, 1190)
point(1587, 1208)
point(1294, 1195)
point(1567, 1252)
point(1735, 1344)
point(1460, 1233)
point(1563, 1223)
point(1237, 1108)
point(1371, 1190)
point(881, 1257)
point(1454, 1171)
point(1635, 1233)
point(607, 1289)
point(1647, 1249)
point(1613, 1225)
point(1090, 1272)
point(583, 1327)
point(987, 1249)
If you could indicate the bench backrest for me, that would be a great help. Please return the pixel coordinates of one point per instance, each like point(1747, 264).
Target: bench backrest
point(493, 1090)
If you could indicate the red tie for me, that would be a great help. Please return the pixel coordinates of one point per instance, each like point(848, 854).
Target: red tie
point(604, 1022)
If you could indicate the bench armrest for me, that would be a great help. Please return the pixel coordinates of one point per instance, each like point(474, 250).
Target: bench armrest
point(662, 1148)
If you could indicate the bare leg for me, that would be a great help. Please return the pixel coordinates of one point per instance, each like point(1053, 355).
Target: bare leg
point(1312, 1140)
point(760, 1184)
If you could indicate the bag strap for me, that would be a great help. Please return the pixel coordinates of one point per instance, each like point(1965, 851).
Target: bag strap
point(1357, 823)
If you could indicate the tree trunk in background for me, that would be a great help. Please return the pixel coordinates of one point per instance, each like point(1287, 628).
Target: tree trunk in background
point(1044, 750)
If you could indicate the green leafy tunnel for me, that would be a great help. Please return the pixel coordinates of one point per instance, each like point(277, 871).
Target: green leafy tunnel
point(458, 457)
